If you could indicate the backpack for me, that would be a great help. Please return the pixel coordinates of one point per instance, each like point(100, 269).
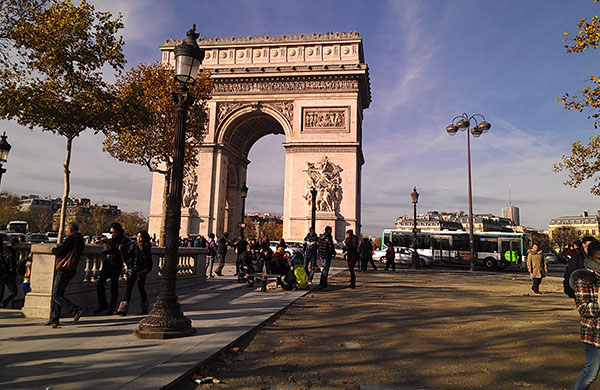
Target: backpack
point(301, 278)
point(212, 249)
point(575, 262)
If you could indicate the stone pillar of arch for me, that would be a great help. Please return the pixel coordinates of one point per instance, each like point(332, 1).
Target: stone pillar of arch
point(312, 89)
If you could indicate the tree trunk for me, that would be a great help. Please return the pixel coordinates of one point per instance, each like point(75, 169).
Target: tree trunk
point(163, 213)
point(67, 173)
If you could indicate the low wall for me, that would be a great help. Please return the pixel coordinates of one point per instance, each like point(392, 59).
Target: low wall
point(82, 288)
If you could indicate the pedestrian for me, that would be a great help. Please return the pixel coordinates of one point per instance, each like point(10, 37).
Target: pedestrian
point(112, 266)
point(390, 257)
point(67, 255)
point(210, 256)
point(351, 251)
point(536, 266)
point(282, 244)
point(240, 246)
point(8, 272)
point(365, 253)
point(263, 240)
point(309, 250)
point(326, 251)
point(586, 284)
point(222, 252)
point(139, 263)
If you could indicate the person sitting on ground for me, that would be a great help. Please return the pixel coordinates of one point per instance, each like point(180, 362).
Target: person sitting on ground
point(139, 263)
point(586, 284)
point(277, 264)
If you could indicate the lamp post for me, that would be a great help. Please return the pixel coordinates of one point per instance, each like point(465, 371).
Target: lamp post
point(244, 193)
point(462, 123)
point(313, 214)
point(4, 149)
point(414, 197)
point(166, 320)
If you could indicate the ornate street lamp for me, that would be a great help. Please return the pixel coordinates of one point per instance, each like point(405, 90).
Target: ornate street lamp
point(313, 214)
point(4, 149)
point(166, 320)
point(462, 123)
point(244, 194)
point(414, 197)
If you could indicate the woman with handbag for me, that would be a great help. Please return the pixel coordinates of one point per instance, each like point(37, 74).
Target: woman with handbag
point(139, 263)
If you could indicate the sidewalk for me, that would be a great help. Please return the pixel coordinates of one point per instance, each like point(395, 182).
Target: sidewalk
point(100, 352)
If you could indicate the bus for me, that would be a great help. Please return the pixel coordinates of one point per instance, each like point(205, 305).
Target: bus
point(493, 250)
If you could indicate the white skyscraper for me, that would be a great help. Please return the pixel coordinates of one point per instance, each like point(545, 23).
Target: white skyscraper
point(511, 212)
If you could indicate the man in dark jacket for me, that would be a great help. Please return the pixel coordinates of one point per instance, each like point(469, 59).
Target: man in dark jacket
point(72, 243)
point(112, 267)
point(221, 253)
point(309, 249)
point(240, 246)
point(325, 251)
point(8, 272)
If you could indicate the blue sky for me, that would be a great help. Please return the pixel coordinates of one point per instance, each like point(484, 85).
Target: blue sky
point(428, 60)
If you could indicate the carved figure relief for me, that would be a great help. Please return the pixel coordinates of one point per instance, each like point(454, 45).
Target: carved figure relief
point(284, 108)
point(325, 177)
point(190, 191)
point(325, 119)
point(226, 108)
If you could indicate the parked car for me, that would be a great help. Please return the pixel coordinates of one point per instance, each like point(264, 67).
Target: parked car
point(52, 236)
point(551, 258)
point(36, 238)
point(403, 256)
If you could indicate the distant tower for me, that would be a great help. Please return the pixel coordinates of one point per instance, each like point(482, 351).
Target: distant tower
point(511, 211)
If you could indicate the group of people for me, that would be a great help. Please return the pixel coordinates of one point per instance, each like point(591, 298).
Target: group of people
point(117, 252)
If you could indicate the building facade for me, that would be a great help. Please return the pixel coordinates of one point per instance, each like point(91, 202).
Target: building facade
point(584, 224)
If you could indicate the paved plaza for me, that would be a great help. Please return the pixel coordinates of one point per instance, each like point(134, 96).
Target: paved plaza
point(100, 352)
point(427, 329)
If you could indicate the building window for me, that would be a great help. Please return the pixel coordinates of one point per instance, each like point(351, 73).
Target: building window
point(593, 232)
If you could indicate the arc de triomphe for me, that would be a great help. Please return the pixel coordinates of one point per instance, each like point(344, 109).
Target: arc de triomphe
point(313, 89)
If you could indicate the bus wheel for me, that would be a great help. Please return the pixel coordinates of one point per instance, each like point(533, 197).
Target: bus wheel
point(489, 263)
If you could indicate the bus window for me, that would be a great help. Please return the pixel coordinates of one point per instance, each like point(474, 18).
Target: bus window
point(461, 243)
point(445, 244)
point(485, 244)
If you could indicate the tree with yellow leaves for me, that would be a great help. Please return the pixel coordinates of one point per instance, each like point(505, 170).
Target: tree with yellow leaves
point(55, 80)
point(144, 126)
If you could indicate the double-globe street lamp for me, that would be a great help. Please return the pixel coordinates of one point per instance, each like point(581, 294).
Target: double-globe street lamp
point(166, 320)
point(462, 123)
point(414, 197)
point(4, 149)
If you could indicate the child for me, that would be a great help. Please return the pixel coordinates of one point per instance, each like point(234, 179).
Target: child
point(586, 283)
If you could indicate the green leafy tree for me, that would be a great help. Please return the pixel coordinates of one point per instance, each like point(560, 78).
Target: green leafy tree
point(563, 236)
point(584, 161)
point(56, 81)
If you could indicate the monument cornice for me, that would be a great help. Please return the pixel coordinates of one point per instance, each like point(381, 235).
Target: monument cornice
point(297, 147)
point(310, 38)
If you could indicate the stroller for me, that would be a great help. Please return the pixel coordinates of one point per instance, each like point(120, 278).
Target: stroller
point(250, 263)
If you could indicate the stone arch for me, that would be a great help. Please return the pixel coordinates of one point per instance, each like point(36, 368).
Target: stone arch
point(312, 89)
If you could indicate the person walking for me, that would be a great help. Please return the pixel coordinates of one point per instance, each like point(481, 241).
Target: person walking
point(351, 250)
point(390, 257)
point(222, 252)
point(139, 263)
point(8, 272)
point(586, 284)
point(325, 251)
point(67, 255)
point(536, 266)
point(240, 246)
point(365, 253)
point(210, 256)
point(309, 251)
point(111, 268)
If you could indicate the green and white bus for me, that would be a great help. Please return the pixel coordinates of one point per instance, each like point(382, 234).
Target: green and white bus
point(493, 250)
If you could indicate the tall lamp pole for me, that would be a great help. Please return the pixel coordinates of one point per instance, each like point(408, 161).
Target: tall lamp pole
point(313, 215)
point(462, 123)
point(414, 197)
point(4, 149)
point(166, 320)
point(244, 193)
